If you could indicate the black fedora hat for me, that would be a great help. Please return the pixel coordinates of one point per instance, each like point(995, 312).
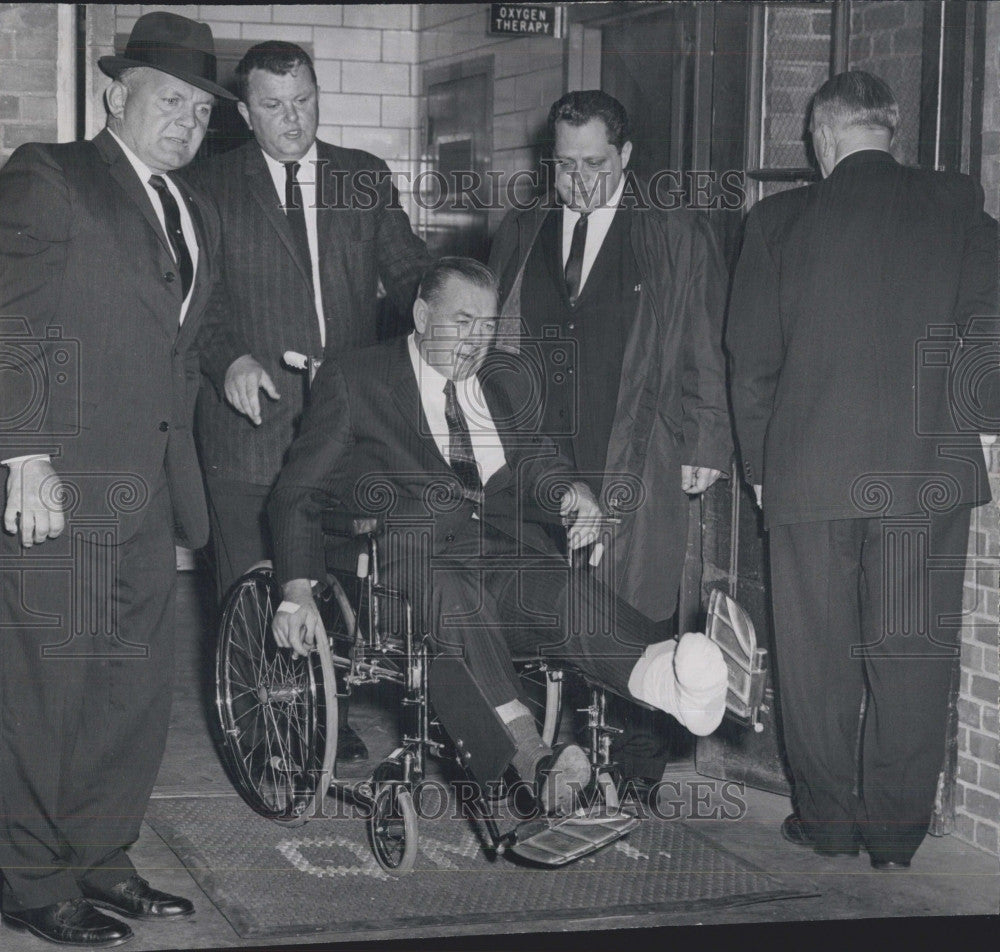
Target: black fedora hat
point(172, 44)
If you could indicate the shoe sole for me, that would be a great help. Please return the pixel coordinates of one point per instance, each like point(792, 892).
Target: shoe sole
point(18, 926)
point(152, 917)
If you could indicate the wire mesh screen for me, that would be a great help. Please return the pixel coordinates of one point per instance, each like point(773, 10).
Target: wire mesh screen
point(797, 63)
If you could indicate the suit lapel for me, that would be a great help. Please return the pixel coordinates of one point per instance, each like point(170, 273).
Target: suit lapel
point(501, 410)
point(201, 278)
point(262, 188)
point(331, 225)
point(122, 172)
point(402, 384)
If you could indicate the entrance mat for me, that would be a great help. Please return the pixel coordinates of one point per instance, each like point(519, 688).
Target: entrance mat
point(269, 880)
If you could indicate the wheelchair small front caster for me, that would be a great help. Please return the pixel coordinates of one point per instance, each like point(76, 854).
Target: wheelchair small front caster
point(392, 826)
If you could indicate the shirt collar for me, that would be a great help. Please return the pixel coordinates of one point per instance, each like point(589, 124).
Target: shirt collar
point(279, 167)
point(609, 206)
point(428, 376)
point(141, 169)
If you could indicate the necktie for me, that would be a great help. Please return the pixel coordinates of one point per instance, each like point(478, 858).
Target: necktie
point(574, 264)
point(175, 234)
point(460, 456)
point(296, 213)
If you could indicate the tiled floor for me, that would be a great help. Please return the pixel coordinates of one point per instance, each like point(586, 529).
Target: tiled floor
point(948, 878)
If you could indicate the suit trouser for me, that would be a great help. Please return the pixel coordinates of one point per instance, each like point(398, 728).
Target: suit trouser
point(238, 522)
point(857, 610)
point(493, 607)
point(83, 725)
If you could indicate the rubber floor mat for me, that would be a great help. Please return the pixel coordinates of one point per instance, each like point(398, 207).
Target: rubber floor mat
point(269, 880)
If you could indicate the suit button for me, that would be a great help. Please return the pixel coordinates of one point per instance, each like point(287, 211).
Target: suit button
point(164, 426)
point(450, 537)
point(168, 276)
point(572, 327)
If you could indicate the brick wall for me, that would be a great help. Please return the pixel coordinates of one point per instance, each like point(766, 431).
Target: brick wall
point(28, 80)
point(886, 39)
point(366, 65)
point(978, 794)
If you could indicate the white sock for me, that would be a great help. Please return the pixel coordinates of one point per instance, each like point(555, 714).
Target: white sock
point(687, 679)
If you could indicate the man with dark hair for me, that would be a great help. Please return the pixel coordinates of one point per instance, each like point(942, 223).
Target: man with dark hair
point(437, 426)
point(107, 262)
point(638, 292)
point(866, 461)
point(308, 232)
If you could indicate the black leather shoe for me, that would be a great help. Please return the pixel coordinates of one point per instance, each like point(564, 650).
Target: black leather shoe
point(74, 922)
point(793, 831)
point(890, 863)
point(135, 898)
point(350, 747)
point(560, 777)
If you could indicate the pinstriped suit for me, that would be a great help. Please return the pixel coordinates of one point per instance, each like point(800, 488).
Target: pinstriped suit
point(266, 302)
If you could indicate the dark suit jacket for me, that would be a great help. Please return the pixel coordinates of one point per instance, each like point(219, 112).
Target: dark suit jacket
point(672, 406)
point(848, 308)
point(365, 447)
point(265, 298)
point(83, 257)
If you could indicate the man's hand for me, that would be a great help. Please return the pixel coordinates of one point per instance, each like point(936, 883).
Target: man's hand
point(34, 492)
point(696, 479)
point(579, 501)
point(300, 629)
point(758, 491)
point(245, 378)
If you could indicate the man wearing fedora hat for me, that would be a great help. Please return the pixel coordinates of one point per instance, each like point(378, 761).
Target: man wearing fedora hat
point(108, 261)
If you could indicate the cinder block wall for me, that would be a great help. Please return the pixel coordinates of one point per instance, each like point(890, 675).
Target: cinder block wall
point(528, 77)
point(366, 65)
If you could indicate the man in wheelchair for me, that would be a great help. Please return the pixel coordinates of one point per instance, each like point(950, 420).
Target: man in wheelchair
point(436, 430)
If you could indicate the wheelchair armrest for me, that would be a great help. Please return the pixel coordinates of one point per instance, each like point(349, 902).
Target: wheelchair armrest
point(348, 524)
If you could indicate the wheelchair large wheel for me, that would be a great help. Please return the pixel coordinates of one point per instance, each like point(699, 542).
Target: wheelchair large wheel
point(278, 713)
point(392, 826)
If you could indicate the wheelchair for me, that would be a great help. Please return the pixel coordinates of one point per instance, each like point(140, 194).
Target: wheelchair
point(278, 714)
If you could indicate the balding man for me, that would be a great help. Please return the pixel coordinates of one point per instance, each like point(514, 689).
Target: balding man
point(866, 460)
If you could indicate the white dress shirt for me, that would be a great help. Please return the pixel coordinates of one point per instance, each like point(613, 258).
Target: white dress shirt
point(187, 226)
point(486, 445)
point(598, 225)
point(306, 177)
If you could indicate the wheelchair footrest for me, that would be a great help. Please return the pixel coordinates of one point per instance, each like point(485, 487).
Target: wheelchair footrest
point(556, 841)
